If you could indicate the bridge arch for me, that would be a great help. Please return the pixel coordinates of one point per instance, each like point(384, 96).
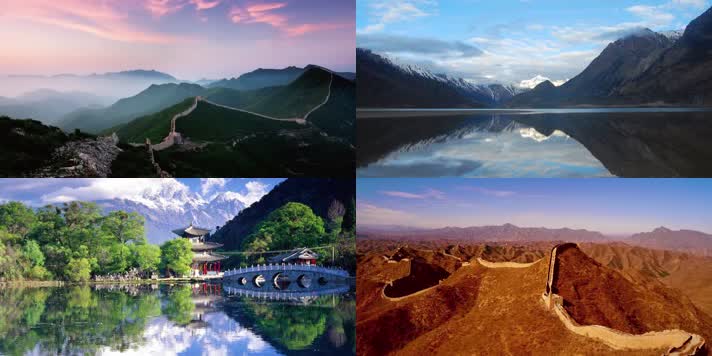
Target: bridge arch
point(259, 281)
point(281, 280)
point(304, 281)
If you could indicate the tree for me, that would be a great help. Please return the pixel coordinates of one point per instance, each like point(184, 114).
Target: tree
point(16, 218)
point(34, 259)
point(292, 225)
point(349, 221)
point(33, 253)
point(336, 216)
point(176, 256)
point(125, 227)
point(146, 257)
point(78, 270)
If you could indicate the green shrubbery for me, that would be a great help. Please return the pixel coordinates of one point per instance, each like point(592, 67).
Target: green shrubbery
point(75, 241)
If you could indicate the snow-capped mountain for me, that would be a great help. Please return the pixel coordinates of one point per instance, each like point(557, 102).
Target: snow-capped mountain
point(494, 91)
point(171, 205)
point(673, 35)
point(388, 82)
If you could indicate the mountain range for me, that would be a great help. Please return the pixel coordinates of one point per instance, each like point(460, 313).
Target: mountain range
point(385, 83)
point(49, 105)
point(644, 68)
point(170, 206)
point(661, 238)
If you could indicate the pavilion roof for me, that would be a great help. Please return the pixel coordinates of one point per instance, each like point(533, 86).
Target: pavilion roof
point(191, 231)
point(204, 246)
point(298, 253)
point(208, 257)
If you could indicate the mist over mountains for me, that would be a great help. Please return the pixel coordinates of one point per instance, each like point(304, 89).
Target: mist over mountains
point(662, 238)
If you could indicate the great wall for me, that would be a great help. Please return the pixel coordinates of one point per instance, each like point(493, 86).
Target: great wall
point(676, 342)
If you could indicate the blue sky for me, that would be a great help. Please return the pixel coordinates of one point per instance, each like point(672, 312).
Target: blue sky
point(42, 191)
point(613, 206)
point(510, 41)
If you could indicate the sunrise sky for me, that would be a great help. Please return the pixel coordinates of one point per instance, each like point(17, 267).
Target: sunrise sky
point(190, 39)
point(614, 206)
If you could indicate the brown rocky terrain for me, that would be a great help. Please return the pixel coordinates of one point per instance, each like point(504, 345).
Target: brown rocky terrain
point(480, 310)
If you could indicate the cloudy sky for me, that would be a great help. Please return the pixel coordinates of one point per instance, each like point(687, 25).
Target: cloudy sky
point(510, 41)
point(189, 39)
point(42, 191)
point(614, 206)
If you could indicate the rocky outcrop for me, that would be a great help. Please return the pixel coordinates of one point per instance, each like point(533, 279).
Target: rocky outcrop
point(83, 158)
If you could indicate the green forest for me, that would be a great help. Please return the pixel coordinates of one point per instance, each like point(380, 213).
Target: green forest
point(75, 241)
point(295, 225)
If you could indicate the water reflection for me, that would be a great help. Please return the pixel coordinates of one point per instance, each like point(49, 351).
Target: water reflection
point(585, 143)
point(187, 319)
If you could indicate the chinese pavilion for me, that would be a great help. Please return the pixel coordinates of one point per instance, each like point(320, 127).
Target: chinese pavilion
point(205, 262)
point(302, 256)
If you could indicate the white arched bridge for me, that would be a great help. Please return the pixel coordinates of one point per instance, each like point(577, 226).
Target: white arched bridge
point(285, 277)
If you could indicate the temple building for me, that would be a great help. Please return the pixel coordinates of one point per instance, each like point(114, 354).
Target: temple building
point(205, 262)
point(302, 256)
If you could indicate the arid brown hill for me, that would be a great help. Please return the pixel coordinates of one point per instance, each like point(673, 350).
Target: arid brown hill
point(681, 240)
point(480, 310)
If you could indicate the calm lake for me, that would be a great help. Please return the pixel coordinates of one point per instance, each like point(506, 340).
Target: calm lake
point(535, 143)
point(179, 319)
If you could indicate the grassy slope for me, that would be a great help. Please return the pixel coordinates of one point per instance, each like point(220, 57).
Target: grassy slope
point(213, 123)
point(338, 116)
point(297, 98)
point(155, 126)
point(263, 155)
point(149, 101)
point(236, 98)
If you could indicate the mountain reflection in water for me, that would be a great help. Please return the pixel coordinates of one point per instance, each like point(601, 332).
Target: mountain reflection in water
point(185, 319)
point(536, 144)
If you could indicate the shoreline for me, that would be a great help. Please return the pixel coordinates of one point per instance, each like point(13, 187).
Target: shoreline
point(39, 284)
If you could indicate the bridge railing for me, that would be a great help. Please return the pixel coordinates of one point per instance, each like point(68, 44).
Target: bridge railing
point(286, 295)
point(286, 267)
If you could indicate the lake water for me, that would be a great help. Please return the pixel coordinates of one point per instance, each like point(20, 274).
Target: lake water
point(625, 142)
point(179, 319)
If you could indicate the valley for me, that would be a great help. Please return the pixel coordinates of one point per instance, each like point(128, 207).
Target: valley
point(303, 125)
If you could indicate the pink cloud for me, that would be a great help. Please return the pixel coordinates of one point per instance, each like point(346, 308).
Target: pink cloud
point(265, 7)
point(264, 13)
point(303, 29)
point(159, 8)
point(205, 4)
point(259, 13)
point(105, 19)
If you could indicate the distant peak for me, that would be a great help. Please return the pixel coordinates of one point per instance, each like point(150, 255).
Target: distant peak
point(545, 85)
point(662, 229)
